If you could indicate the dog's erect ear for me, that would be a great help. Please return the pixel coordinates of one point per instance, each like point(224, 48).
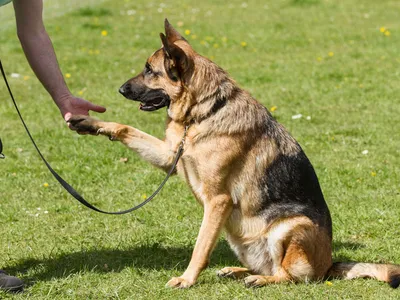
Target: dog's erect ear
point(171, 33)
point(167, 49)
point(178, 61)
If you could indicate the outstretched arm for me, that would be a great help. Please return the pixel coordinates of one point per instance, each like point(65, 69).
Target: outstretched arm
point(41, 56)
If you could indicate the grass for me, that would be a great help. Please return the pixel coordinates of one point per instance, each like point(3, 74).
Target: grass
point(321, 58)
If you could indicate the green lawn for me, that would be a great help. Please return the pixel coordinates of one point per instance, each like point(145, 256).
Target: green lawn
point(324, 59)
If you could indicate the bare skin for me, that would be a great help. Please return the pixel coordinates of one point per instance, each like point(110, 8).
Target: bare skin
point(40, 54)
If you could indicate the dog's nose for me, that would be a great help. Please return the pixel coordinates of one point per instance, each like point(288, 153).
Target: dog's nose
point(125, 89)
point(122, 89)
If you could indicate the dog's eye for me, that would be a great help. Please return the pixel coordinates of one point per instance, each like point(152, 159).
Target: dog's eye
point(147, 69)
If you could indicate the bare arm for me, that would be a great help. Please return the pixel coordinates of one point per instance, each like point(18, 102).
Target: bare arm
point(41, 56)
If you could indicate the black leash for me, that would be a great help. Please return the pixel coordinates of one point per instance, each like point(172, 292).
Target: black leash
point(1, 148)
point(69, 188)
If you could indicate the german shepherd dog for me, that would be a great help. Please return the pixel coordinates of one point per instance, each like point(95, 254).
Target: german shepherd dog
point(249, 174)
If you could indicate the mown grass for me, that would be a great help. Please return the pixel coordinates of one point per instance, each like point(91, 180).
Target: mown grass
point(323, 59)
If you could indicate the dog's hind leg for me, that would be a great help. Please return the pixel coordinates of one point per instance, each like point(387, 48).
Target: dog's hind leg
point(300, 251)
point(233, 272)
point(261, 280)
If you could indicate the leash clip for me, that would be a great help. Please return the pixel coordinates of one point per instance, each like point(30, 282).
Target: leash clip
point(184, 136)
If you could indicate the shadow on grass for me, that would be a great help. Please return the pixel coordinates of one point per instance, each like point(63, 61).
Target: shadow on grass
point(150, 257)
point(344, 246)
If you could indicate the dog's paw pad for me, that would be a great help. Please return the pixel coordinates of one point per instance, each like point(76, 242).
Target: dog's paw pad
point(82, 123)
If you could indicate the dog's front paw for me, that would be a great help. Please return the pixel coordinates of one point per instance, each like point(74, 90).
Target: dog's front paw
point(179, 282)
point(84, 124)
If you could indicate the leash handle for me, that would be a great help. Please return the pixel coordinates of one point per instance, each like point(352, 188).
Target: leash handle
point(68, 187)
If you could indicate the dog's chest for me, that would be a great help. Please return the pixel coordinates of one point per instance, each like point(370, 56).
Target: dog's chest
point(188, 169)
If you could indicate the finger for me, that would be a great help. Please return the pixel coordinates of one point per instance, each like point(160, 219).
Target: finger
point(67, 116)
point(97, 108)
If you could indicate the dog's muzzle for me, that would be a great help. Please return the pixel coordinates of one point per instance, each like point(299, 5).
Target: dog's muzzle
point(150, 99)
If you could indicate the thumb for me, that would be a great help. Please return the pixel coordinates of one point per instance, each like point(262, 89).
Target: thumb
point(97, 108)
point(67, 116)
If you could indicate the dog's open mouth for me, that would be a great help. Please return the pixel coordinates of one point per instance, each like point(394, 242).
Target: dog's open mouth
point(150, 99)
point(154, 104)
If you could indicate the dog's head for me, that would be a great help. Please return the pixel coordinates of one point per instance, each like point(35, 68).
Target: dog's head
point(165, 75)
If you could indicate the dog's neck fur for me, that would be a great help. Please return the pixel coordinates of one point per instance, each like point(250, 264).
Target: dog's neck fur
point(209, 103)
point(205, 105)
point(199, 101)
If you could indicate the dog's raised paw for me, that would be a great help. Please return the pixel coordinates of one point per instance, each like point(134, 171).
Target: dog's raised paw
point(179, 282)
point(83, 124)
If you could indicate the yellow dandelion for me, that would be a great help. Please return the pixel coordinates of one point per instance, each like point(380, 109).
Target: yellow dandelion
point(80, 93)
point(104, 33)
point(273, 108)
point(224, 39)
point(144, 196)
point(67, 75)
point(212, 57)
point(319, 58)
point(97, 51)
point(216, 46)
point(26, 77)
point(328, 283)
point(373, 173)
point(203, 43)
point(382, 29)
point(193, 36)
point(187, 31)
point(243, 44)
point(45, 184)
point(330, 54)
point(91, 52)
point(387, 33)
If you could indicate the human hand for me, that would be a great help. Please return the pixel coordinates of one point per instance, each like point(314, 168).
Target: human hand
point(76, 106)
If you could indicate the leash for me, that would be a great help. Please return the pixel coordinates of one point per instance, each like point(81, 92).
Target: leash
point(69, 188)
point(1, 150)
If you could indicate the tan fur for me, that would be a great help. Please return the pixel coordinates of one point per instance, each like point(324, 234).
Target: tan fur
point(225, 156)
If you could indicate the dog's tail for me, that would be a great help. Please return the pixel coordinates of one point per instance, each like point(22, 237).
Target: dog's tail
point(382, 272)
